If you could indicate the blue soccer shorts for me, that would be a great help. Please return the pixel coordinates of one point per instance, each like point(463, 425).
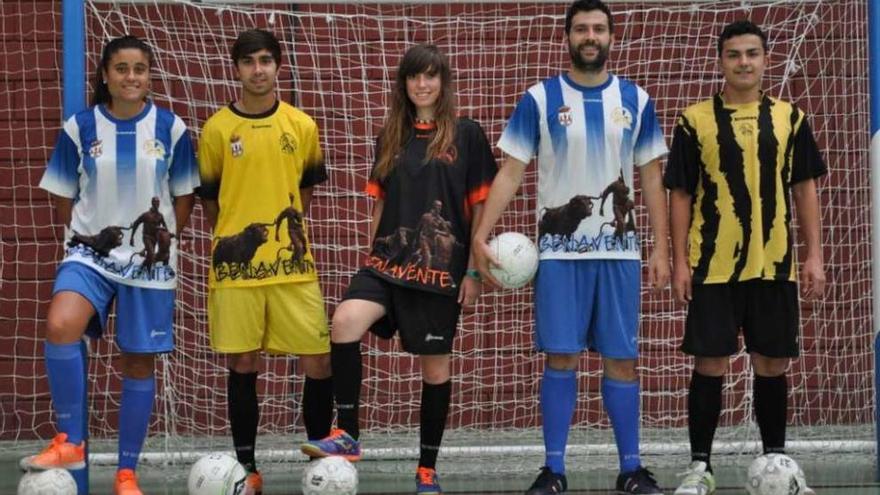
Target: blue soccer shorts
point(588, 304)
point(144, 317)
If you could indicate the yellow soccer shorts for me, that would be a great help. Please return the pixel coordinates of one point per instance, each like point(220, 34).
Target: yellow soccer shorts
point(278, 318)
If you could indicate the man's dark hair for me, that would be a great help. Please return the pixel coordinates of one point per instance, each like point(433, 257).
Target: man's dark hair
point(740, 28)
point(586, 6)
point(255, 40)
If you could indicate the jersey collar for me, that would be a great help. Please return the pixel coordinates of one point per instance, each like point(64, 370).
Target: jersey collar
point(588, 89)
point(106, 113)
point(267, 113)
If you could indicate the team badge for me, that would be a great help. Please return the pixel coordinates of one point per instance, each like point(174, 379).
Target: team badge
point(96, 149)
point(288, 143)
point(564, 115)
point(746, 129)
point(235, 145)
point(449, 156)
point(154, 148)
point(622, 118)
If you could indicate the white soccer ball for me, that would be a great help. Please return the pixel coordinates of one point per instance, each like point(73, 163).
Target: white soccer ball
point(51, 482)
point(518, 258)
point(330, 476)
point(217, 474)
point(776, 474)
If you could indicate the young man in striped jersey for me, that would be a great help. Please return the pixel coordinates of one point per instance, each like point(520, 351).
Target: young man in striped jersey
point(736, 160)
point(589, 129)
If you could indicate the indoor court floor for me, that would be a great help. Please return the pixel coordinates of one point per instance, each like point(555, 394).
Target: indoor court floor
point(832, 476)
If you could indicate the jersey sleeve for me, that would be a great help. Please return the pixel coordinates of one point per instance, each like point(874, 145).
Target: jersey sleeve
point(521, 136)
point(683, 166)
point(807, 162)
point(375, 188)
point(650, 143)
point(184, 169)
point(61, 177)
point(314, 168)
point(482, 166)
point(210, 162)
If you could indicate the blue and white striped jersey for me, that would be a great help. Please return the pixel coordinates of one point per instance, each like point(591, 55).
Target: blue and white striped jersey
point(587, 140)
point(122, 175)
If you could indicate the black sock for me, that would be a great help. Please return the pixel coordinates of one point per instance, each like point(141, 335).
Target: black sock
point(317, 407)
point(244, 415)
point(771, 410)
point(345, 360)
point(435, 408)
point(704, 410)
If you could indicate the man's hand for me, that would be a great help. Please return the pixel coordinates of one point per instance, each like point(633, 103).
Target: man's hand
point(681, 282)
point(658, 270)
point(812, 279)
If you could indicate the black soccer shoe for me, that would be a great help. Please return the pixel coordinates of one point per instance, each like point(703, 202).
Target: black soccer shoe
point(548, 483)
point(641, 481)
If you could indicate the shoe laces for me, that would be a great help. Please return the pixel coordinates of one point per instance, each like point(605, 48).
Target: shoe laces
point(336, 433)
point(645, 474)
point(692, 476)
point(57, 442)
point(426, 476)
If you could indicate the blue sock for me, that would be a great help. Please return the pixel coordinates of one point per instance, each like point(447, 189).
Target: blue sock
point(65, 367)
point(558, 399)
point(621, 401)
point(134, 418)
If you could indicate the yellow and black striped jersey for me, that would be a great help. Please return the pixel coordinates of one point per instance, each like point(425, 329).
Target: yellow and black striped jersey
point(738, 163)
point(254, 166)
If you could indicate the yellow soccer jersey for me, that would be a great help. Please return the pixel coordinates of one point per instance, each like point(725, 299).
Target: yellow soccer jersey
point(255, 166)
point(739, 162)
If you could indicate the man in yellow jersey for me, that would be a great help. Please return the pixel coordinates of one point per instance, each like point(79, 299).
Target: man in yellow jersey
point(259, 158)
point(736, 160)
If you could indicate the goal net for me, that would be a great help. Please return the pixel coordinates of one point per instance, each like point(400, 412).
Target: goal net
point(339, 61)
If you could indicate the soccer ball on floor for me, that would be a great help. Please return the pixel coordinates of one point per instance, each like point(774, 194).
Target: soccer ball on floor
point(217, 474)
point(330, 476)
point(51, 482)
point(518, 258)
point(776, 474)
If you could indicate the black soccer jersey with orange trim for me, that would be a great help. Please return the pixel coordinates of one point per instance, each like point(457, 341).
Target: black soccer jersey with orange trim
point(739, 162)
point(423, 237)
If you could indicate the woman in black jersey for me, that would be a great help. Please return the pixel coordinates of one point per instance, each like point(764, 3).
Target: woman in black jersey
point(432, 173)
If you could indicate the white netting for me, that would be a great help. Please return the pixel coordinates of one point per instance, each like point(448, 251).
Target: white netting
point(338, 64)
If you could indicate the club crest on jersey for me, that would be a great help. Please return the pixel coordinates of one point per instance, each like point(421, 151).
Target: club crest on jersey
point(746, 129)
point(288, 143)
point(154, 148)
point(622, 118)
point(450, 155)
point(235, 145)
point(565, 116)
point(96, 149)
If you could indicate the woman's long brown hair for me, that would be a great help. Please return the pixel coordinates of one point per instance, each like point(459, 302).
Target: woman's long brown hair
point(402, 113)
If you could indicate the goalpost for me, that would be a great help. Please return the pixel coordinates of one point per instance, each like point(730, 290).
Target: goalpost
point(339, 59)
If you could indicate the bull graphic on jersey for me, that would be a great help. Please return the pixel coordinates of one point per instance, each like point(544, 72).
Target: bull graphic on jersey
point(155, 236)
point(564, 220)
point(423, 254)
point(435, 241)
point(298, 244)
point(108, 239)
point(394, 247)
point(241, 247)
point(623, 207)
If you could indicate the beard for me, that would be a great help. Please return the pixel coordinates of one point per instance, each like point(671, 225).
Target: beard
point(584, 65)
